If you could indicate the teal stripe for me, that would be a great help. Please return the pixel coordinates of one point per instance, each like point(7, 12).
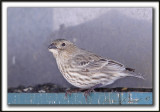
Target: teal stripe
point(120, 98)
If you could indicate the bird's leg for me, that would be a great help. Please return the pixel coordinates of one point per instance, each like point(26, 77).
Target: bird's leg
point(72, 91)
point(87, 92)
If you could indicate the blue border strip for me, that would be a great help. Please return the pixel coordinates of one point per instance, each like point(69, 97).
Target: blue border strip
point(120, 98)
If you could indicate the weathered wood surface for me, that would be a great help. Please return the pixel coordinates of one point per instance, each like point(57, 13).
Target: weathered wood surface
point(119, 98)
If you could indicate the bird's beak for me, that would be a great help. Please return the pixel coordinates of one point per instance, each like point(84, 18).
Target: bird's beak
point(52, 46)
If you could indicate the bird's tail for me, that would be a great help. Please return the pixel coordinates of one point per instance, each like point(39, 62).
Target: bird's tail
point(138, 75)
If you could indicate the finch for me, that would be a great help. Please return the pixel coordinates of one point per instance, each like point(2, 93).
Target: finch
point(84, 69)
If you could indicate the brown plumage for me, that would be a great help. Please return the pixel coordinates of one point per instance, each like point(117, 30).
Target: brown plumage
point(84, 69)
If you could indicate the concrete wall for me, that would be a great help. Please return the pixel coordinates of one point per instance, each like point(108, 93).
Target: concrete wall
point(76, 16)
point(122, 34)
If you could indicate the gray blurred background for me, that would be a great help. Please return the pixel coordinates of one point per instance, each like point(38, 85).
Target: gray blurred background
point(122, 34)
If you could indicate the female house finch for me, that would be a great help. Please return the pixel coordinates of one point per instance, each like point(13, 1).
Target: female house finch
point(84, 69)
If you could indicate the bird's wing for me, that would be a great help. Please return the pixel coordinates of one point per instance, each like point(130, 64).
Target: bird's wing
point(92, 62)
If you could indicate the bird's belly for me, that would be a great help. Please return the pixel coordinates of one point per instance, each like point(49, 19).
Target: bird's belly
point(82, 80)
point(77, 80)
point(73, 77)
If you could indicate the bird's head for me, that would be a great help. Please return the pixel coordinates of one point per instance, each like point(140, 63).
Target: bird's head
point(61, 46)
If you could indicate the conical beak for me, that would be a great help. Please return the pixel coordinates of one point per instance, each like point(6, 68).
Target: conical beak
point(52, 46)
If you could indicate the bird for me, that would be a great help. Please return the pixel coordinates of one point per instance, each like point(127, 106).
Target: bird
point(86, 70)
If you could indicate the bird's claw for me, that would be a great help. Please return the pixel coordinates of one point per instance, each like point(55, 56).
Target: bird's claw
point(68, 92)
point(71, 91)
point(87, 92)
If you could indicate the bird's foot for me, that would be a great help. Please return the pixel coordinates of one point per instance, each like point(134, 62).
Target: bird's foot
point(87, 92)
point(68, 92)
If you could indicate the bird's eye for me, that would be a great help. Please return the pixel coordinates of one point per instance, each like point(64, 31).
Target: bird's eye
point(63, 44)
